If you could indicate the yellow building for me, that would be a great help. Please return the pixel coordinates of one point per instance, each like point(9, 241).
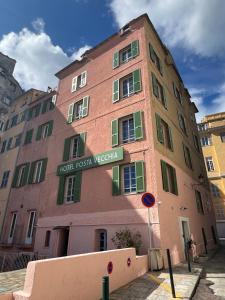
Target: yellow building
point(212, 137)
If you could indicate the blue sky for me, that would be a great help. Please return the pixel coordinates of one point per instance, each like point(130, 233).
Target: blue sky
point(44, 36)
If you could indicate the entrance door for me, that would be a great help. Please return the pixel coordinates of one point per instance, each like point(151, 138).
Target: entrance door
point(185, 233)
point(63, 241)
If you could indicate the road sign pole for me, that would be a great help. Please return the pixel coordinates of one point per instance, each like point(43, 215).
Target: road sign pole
point(149, 230)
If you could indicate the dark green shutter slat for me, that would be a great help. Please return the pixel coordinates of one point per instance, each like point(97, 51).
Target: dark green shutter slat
point(135, 48)
point(185, 155)
point(70, 113)
point(115, 133)
point(25, 177)
point(160, 67)
point(81, 144)
point(164, 97)
point(77, 187)
point(155, 86)
point(39, 131)
point(85, 106)
point(43, 169)
point(116, 91)
point(159, 129)
point(138, 126)
point(38, 110)
point(115, 180)
point(31, 173)
point(15, 177)
point(66, 152)
point(116, 61)
point(140, 179)
point(28, 137)
point(137, 80)
point(164, 176)
point(50, 128)
point(61, 189)
point(170, 138)
point(44, 107)
point(152, 54)
point(174, 90)
point(175, 181)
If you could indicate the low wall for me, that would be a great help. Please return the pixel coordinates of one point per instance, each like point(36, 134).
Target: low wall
point(80, 276)
point(7, 296)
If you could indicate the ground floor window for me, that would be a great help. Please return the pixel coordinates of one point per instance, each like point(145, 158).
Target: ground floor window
point(70, 187)
point(101, 236)
point(12, 227)
point(30, 227)
point(129, 179)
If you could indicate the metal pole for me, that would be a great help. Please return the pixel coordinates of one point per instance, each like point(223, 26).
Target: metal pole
point(149, 230)
point(105, 288)
point(188, 257)
point(171, 273)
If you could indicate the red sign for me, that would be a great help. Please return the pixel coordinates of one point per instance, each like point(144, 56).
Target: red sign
point(110, 267)
point(128, 261)
point(148, 199)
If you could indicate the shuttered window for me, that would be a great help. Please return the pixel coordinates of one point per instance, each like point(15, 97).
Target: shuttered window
point(199, 203)
point(187, 156)
point(177, 93)
point(159, 91)
point(131, 180)
point(69, 188)
point(28, 137)
point(155, 59)
point(74, 146)
point(37, 171)
point(79, 81)
point(78, 110)
point(127, 129)
point(126, 54)
point(21, 175)
point(169, 179)
point(44, 130)
point(182, 122)
point(164, 132)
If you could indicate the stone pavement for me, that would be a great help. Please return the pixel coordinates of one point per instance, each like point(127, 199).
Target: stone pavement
point(12, 281)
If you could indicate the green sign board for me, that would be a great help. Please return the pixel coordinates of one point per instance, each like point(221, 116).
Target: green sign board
point(91, 161)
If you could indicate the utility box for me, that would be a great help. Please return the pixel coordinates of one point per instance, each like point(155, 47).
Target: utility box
point(155, 259)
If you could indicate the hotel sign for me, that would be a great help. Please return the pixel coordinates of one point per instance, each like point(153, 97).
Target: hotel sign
point(104, 158)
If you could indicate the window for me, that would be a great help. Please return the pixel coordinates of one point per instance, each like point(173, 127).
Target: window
point(158, 91)
point(202, 127)
point(48, 104)
point(74, 146)
point(79, 81)
point(206, 141)
point(222, 136)
point(199, 204)
point(101, 239)
point(155, 59)
point(169, 178)
point(14, 120)
point(209, 163)
point(3, 146)
point(5, 179)
point(6, 125)
point(47, 238)
point(23, 115)
point(20, 175)
point(127, 53)
point(164, 133)
point(127, 129)
point(219, 212)
point(196, 143)
point(69, 188)
point(215, 190)
point(28, 137)
point(37, 171)
point(78, 110)
point(44, 130)
point(18, 140)
point(127, 86)
point(177, 93)
point(131, 179)
point(9, 143)
point(187, 156)
point(12, 228)
point(1, 125)
point(30, 227)
point(182, 123)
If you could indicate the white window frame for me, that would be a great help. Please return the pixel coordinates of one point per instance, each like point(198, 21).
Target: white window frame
point(130, 184)
point(209, 164)
point(80, 112)
point(44, 131)
point(83, 81)
point(20, 175)
point(206, 141)
point(37, 171)
point(67, 187)
point(72, 147)
point(12, 228)
point(126, 50)
point(215, 190)
point(31, 222)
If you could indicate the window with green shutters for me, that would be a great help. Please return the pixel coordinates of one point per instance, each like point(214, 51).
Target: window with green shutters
point(28, 137)
point(177, 93)
point(21, 175)
point(169, 179)
point(127, 129)
point(187, 156)
point(69, 190)
point(159, 91)
point(44, 130)
point(126, 54)
point(155, 59)
point(127, 179)
point(126, 86)
point(199, 203)
point(164, 132)
point(74, 146)
point(78, 110)
point(37, 171)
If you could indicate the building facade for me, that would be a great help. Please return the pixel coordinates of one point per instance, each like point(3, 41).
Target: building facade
point(124, 125)
point(212, 137)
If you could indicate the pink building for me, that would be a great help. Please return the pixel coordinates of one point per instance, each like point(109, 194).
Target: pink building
point(123, 125)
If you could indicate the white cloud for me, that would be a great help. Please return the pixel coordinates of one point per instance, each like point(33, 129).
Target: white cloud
point(197, 25)
point(38, 59)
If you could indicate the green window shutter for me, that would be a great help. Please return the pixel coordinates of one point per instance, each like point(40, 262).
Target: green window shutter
point(185, 155)
point(115, 180)
point(140, 178)
point(159, 129)
point(77, 187)
point(174, 181)
point(44, 107)
point(29, 114)
point(155, 86)
point(81, 144)
point(160, 67)
point(170, 138)
point(50, 128)
point(116, 60)
point(61, 189)
point(38, 110)
point(25, 177)
point(137, 80)
point(174, 90)
point(31, 173)
point(85, 106)
point(138, 126)
point(15, 177)
point(39, 132)
point(70, 113)
point(116, 91)
point(151, 52)
point(43, 169)
point(115, 133)
point(135, 48)
point(164, 98)
point(66, 152)
point(164, 176)
point(28, 137)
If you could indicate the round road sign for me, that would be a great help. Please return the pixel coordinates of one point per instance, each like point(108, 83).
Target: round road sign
point(110, 267)
point(148, 200)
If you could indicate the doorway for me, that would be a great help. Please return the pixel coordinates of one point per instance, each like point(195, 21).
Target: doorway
point(63, 241)
point(185, 233)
